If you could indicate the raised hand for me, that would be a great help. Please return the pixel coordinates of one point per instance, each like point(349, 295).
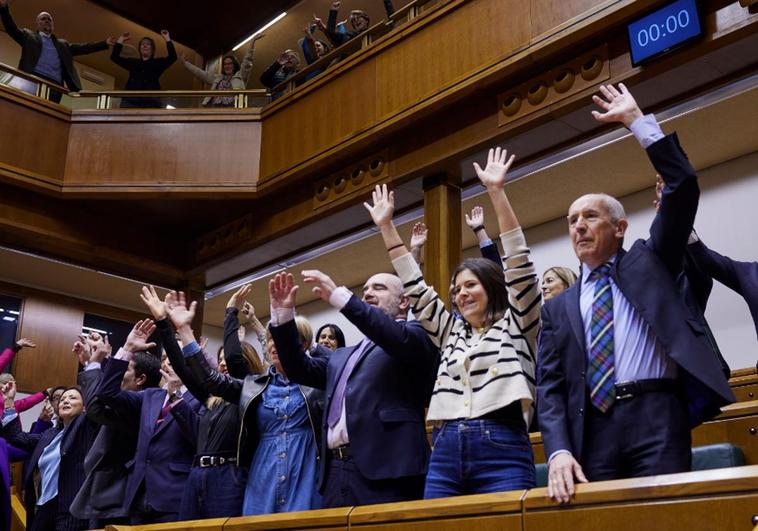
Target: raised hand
point(318, 22)
point(46, 414)
point(323, 285)
point(173, 383)
point(476, 219)
point(419, 234)
point(124, 37)
point(384, 205)
point(82, 349)
point(498, 164)
point(100, 347)
point(619, 106)
point(136, 341)
point(248, 310)
point(237, 300)
point(25, 342)
point(180, 314)
point(282, 291)
point(8, 391)
point(283, 58)
point(153, 302)
point(110, 41)
point(166, 36)
point(336, 5)
point(257, 37)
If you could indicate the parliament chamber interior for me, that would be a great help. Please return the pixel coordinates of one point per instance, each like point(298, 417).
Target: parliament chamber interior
point(139, 160)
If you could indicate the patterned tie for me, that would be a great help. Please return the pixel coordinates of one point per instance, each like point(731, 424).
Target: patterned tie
point(335, 408)
point(601, 366)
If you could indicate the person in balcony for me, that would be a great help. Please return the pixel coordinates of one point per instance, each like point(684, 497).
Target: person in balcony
point(146, 70)
point(313, 48)
point(233, 76)
point(45, 55)
point(285, 66)
point(357, 23)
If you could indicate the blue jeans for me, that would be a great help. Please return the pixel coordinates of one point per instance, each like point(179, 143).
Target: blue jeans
point(213, 492)
point(479, 457)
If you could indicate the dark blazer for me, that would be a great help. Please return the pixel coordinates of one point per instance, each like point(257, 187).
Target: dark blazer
point(386, 393)
point(76, 442)
point(31, 49)
point(164, 454)
point(741, 277)
point(102, 493)
point(646, 274)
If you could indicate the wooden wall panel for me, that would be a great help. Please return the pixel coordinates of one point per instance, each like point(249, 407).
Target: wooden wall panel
point(549, 14)
point(34, 141)
point(183, 152)
point(53, 325)
point(337, 110)
point(473, 36)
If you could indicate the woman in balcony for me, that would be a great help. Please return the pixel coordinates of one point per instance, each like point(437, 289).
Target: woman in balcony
point(146, 70)
point(233, 76)
point(483, 399)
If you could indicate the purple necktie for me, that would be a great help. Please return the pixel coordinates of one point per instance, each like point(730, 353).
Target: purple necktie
point(335, 408)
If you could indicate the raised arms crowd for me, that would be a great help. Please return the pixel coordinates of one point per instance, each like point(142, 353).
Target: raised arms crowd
point(614, 363)
point(46, 56)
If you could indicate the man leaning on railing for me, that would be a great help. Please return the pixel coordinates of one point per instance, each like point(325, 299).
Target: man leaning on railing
point(45, 55)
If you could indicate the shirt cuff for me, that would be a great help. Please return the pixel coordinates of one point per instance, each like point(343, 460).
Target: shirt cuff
point(279, 316)
point(557, 452)
point(124, 355)
point(646, 130)
point(485, 243)
point(190, 349)
point(9, 415)
point(693, 238)
point(92, 365)
point(339, 297)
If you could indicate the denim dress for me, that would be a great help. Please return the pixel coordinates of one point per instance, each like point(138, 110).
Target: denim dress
point(283, 476)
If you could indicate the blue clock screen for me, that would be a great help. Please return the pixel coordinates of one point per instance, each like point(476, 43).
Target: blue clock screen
point(663, 29)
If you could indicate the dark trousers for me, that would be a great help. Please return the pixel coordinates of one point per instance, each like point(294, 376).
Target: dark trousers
point(143, 513)
point(47, 518)
point(213, 492)
point(346, 486)
point(641, 436)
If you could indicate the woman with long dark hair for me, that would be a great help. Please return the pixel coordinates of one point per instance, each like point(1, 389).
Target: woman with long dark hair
point(483, 398)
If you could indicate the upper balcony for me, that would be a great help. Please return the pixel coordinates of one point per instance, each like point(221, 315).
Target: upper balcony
point(416, 95)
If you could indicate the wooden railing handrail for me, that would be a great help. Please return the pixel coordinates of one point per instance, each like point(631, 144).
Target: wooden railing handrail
point(31, 77)
point(166, 93)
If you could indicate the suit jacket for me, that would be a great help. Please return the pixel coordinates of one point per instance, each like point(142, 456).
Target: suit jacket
point(386, 393)
point(76, 442)
point(102, 493)
point(163, 457)
point(646, 274)
point(742, 277)
point(31, 49)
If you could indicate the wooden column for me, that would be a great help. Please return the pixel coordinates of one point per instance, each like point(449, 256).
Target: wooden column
point(442, 215)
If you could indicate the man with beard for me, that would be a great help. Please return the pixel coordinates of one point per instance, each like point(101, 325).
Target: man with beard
point(373, 444)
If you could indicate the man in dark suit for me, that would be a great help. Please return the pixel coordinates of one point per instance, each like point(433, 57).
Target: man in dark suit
point(164, 453)
point(741, 277)
point(626, 369)
point(45, 55)
point(373, 444)
point(101, 498)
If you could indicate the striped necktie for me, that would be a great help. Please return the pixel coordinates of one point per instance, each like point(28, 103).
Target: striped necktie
point(601, 363)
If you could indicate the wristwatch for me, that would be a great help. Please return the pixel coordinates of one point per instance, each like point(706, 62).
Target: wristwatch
point(176, 395)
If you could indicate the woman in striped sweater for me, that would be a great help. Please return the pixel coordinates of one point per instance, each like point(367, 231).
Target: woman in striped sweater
point(483, 397)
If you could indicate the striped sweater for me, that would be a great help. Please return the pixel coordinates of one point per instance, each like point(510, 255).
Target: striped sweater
point(481, 373)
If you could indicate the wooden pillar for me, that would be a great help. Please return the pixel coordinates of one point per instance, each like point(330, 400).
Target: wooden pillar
point(442, 215)
point(195, 291)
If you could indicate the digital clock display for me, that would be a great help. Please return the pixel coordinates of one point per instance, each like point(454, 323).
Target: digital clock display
point(662, 30)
